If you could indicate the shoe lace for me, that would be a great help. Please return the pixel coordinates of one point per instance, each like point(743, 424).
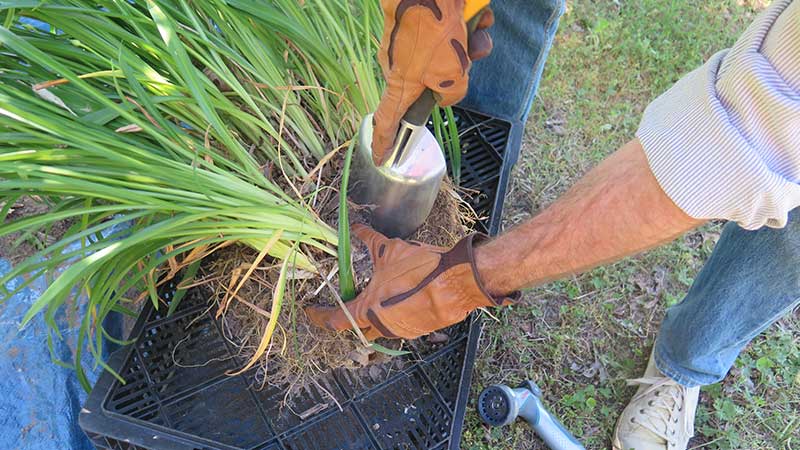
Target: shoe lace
point(663, 407)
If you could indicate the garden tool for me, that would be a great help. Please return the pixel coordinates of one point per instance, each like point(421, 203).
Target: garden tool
point(499, 405)
point(402, 189)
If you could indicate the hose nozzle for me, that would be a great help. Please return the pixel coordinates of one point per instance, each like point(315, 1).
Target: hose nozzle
point(499, 405)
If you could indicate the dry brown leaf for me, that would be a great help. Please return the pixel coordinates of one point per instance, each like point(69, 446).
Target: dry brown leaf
point(223, 305)
point(48, 84)
point(270, 243)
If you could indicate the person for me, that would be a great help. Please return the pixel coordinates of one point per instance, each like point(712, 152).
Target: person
point(722, 143)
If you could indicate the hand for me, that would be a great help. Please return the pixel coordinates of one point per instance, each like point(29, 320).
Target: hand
point(415, 289)
point(424, 44)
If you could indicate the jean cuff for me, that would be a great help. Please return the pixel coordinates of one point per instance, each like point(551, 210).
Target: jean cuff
point(669, 369)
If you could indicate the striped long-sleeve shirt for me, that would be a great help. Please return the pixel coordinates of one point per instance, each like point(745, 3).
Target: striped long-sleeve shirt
point(724, 141)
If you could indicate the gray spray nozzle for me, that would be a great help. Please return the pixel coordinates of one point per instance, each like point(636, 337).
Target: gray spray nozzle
point(499, 405)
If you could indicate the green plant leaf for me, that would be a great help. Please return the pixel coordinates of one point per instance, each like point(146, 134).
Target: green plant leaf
point(388, 351)
point(180, 292)
point(347, 288)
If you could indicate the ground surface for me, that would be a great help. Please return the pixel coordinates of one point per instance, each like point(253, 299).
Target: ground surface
point(581, 338)
point(16, 247)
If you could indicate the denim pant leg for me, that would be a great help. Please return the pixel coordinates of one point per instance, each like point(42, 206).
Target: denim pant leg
point(750, 281)
point(504, 83)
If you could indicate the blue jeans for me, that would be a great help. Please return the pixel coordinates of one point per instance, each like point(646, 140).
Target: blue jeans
point(752, 277)
point(504, 83)
point(751, 280)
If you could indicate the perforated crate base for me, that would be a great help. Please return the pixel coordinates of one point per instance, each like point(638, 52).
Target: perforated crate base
point(177, 394)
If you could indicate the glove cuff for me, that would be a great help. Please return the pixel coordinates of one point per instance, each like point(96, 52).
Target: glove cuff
point(453, 267)
point(464, 253)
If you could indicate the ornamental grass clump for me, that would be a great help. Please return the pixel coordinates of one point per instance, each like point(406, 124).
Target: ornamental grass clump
point(161, 131)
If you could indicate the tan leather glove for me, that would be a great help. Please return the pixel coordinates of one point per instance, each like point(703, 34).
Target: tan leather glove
point(424, 44)
point(415, 289)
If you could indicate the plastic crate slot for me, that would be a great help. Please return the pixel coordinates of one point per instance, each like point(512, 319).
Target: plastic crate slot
point(481, 159)
point(440, 370)
point(194, 299)
point(470, 145)
point(455, 333)
point(152, 415)
point(223, 413)
point(182, 354)
point(476, 166)
point(497, 138)
point(341, 430)
point(482, 205)
point(137, 402)
point(304, 406)
point(406, 414)
point(481, 183)
point(484, 168)
point(98, 440)
point(270, 446)
point(485, 189)
point(459, 330)
point(134, 394)
point(465, 119)
point(478, 151)
point(114, 444)
point(468, 179)
point(478, 159)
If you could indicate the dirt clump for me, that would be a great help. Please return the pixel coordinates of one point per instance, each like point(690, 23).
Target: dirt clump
point(445, 226)
point(300, 351)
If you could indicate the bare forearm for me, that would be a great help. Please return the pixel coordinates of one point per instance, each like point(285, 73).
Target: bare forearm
point(616, 210)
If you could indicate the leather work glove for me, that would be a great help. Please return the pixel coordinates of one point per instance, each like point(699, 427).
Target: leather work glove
point(415, 289)
point(424, 44)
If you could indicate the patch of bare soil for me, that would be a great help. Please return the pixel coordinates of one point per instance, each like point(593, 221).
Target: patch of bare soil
point(18, 246)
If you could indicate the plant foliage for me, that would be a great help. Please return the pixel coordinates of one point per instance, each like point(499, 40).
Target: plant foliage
point(192, 123)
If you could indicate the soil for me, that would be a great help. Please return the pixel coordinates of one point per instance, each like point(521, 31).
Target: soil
point(446, 224)
point(300, 351)
point(18, 246)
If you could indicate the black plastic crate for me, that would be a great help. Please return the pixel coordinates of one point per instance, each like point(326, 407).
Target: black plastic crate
point(177, 394)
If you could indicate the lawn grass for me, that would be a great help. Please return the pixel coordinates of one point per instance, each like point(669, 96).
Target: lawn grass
point(580, 338)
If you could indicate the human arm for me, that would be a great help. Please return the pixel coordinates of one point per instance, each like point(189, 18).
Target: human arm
point(616, 210)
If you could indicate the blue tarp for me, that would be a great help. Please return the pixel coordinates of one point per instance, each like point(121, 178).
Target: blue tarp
point(39, 400)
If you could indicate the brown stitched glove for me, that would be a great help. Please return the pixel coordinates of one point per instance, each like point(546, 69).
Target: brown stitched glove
point(424, 44)
point(415, 289)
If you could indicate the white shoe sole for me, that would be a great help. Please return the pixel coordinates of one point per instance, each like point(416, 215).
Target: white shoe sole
point(616, 445)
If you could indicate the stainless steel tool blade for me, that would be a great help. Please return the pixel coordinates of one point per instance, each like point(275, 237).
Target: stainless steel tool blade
point(400, 192)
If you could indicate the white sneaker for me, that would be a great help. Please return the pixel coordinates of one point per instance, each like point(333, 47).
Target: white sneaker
point(659, 417)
